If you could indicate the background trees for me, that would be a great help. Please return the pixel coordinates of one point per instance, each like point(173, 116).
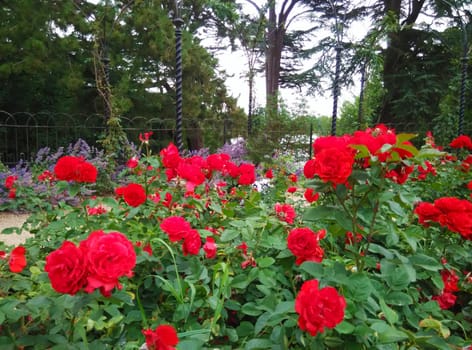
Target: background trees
point(117, 56)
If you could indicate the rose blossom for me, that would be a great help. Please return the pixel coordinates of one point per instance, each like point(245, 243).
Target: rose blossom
point(285, 212)
point(210, 248)
point(10, 181)
point(66, 268)
point(334, 164)
point(462, 141)
point(176, 227)
point(192, 243)
point(17, 260)
point(70, 168)
point(170, 156)
point(164, 337)
point(247, 174)
point(108, 256)
point(318, 308)
point(303, 243)
point(445, 300)
point(133, 194)
point(310, 195)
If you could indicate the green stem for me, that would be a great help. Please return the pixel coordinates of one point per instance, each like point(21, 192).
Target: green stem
point(141, 308)
point(175, 268)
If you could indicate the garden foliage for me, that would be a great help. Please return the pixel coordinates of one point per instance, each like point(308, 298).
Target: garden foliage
point(366, 247)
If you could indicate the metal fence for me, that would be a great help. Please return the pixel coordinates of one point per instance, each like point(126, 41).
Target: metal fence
point(23, 134)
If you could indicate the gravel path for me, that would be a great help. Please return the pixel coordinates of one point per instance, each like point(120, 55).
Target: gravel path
point(12, 220)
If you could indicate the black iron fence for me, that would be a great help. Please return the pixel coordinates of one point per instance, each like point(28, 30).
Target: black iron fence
point(22, 134)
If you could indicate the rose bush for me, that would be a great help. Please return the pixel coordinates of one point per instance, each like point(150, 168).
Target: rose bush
point(369, 250)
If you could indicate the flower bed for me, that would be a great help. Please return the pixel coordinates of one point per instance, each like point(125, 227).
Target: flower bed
point(369, 248)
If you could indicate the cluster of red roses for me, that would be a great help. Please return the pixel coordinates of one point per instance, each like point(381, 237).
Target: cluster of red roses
point(70, 168)
point(285, 212)
point(196, 169)
point(334, 156)
point(97, 263)
point(318, 308)
point(164, 337)
point(16, 259)
point(453, 213)
point(177, 229)
point(9, 185)
point(447, 298)
point(462, 141)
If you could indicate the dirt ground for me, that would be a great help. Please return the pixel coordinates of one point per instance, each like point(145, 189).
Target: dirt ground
point(7, 220)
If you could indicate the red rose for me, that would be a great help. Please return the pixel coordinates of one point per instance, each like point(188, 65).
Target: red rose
point(445, 300)
point(310, 195)
point(462, 141)
point(247, 174)
point(145, 137)
point(132, 163)
point(17, 261)
point(324, 142)
point(450, 280)
point(309, 169)
point(170, 156)
point(66, 268)
point(12, 193)
point(70, 168)
point(334, 164)
point(133, 194)
point(427, 212)
point(269, 174)
point(191, 172)
point(218, 161)
point(86, 172)
point(65, 168)
point(164, 337)
point(108, 257)
point(318, 308)
point(285, 212)
point(459, 222)
point(303, 243)
point(176, 227)
point(400, 173)
point(292, 189)
point(192, 243)
point(210, 248)
point(10, 181)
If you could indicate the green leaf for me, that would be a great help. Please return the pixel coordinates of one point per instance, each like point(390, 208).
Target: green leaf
point(258, 343)
point(312, 268)
point(261, 322)
point(359, 286)
point(390, 314)
point(398, 298)
point(229, 234)
point(405, 137)
point(392, 335)
point(426, 262)
point(318, 213)
point(436, 325)
point(251, 309)
point(378, 249)
point(345, 327)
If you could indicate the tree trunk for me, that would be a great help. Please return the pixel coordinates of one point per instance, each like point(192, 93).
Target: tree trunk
point(276, 30)
point(275, 34)
point(397, 45)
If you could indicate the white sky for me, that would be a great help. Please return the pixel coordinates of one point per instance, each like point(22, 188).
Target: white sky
point(235, 65)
